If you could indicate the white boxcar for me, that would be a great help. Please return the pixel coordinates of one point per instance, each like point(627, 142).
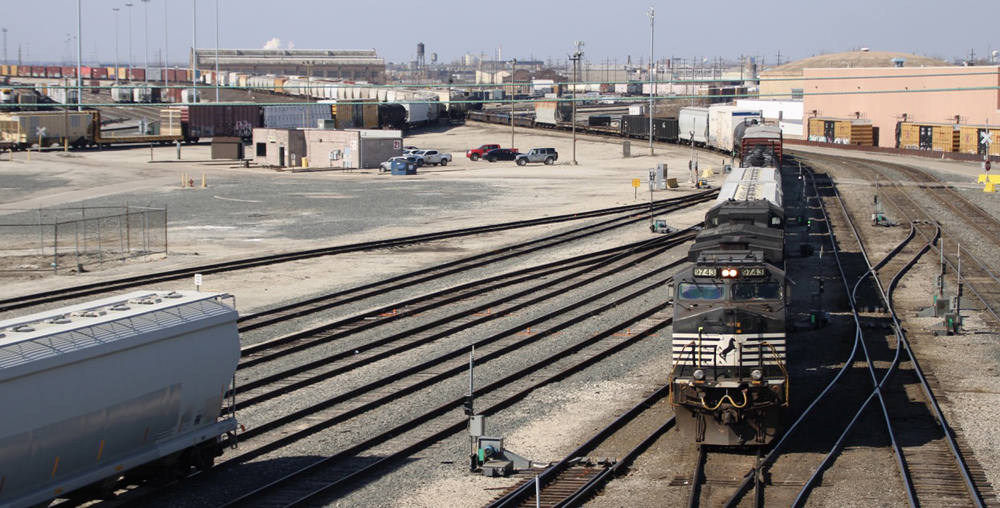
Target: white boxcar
point(722, 121)
point(692, 125)
point(91, 391)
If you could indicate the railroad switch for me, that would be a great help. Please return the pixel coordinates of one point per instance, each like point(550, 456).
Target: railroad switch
point(488, 453)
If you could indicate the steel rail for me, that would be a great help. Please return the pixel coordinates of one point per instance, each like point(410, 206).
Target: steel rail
point(536, 298)
point(506, 381)
point(169, 275)
point(750, 478)
point(527, 490)
point(324, 302)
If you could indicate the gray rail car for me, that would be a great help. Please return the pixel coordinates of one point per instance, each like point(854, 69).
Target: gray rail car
point(121, 385)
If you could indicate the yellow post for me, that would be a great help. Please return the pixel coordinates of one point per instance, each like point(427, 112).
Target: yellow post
point(65, 144)
point(305, 162)
point(989, 187)
point(203, 182)
point(183, 180)
point(39, 143)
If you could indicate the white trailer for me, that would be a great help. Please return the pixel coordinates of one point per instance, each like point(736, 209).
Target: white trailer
point(692, 126)
point(722, 122)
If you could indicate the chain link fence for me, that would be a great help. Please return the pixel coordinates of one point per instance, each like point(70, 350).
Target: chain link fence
point(80, 238)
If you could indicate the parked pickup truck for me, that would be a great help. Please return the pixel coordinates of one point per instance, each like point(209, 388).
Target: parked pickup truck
point(546, 155)
point(478, 153)
point(432, 157)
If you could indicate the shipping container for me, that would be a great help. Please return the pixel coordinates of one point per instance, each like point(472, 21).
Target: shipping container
point(842, 131)
point(121, 93)
point(98, 73)
point(24, 127)
point(24, 71)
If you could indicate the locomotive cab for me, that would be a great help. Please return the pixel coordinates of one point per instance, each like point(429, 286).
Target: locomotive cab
point(729, 381)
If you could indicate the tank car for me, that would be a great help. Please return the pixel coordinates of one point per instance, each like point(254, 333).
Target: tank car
point(121, 386)
point(729, 381)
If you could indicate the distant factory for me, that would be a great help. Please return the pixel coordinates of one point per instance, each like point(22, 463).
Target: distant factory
point(348, 64)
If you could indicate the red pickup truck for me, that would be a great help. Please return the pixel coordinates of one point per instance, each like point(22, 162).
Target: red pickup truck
point(477, 153)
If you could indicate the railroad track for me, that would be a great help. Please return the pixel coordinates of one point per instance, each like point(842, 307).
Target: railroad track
point(576, 478)
point(88, 290)
point(391, 389)
point(919, 449)
point(976, 275)
point(325, 302)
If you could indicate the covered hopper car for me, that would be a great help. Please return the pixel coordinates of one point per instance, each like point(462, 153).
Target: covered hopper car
point(120, 386)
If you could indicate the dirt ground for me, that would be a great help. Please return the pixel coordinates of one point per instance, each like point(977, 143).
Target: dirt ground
point(602, 178)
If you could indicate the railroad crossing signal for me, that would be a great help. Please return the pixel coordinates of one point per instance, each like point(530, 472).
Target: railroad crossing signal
point(40, 131)
point(986, 137)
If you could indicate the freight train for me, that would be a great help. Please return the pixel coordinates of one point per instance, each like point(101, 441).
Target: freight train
point(719, 127)
point(129, 386)
point(729, 380)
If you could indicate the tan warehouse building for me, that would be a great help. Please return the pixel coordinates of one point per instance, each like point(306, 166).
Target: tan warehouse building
point(887, 96)
point(350, 64)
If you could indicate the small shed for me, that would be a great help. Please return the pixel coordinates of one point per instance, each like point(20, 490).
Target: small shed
point(227, 148)
point(279, 147)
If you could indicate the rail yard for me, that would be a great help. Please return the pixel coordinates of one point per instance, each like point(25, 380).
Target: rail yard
point(362, 295)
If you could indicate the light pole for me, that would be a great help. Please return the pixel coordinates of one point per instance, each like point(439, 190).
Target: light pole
point(79, 54)
point(513, 72)
point(129, 5)
point(116, 9)
point(651, 15)
point(194, 45)
point(216, 50)
point(166, 59)
point(5, 45)
point(576, 60)
point(145, 34)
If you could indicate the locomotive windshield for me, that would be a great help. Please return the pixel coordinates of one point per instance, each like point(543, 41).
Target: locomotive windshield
point(756, 291)
point(709, 292)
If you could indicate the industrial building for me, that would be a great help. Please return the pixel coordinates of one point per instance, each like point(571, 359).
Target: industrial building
point(348, 64)
point(326, 148)
point(887, 96)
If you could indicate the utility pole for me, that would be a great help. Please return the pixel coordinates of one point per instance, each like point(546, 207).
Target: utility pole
point(4, 45)
point(194, 46)
point(129, 5)
point(576, 59)
point(116, 9)
point(79, 54)
point(651, 15)
point(513, 72)
point(217, 52)
point(145, 34)
point(166, 60)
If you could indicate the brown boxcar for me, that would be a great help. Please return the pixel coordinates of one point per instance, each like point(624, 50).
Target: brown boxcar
point(971, 139)
point(211, 120)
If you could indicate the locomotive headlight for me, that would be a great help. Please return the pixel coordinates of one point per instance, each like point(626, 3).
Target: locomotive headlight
point(729, 273)
point(699, 375)
point(756, 374)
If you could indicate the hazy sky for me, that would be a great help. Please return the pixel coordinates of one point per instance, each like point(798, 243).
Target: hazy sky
point(525, 29)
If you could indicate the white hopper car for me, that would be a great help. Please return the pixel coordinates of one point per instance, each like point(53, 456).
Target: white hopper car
point(132, 383)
